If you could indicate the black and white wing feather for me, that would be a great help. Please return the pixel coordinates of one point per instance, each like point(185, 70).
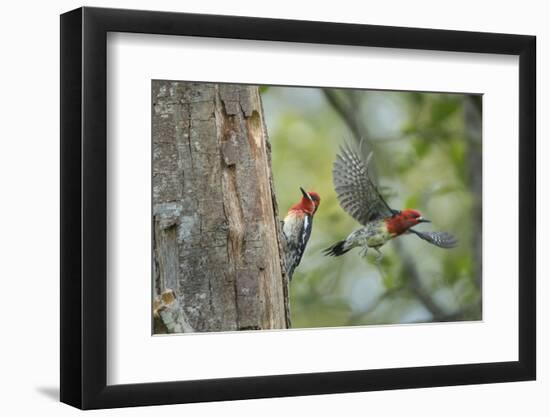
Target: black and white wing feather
point(297, 234)
point(441, 239)
point(357, 193)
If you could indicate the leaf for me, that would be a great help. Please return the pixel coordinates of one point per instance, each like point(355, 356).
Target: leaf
point(457, 152)
point(421, 147)
point(412, 201)
point(443, 108)
point(409, 129)
point(389, 281)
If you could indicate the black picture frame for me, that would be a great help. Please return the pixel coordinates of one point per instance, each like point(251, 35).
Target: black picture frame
point(84, 207)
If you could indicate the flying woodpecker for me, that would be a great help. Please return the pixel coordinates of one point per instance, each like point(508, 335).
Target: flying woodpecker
point(360, 198)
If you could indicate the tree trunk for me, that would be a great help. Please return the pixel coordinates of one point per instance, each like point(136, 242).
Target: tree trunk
point(217, 239)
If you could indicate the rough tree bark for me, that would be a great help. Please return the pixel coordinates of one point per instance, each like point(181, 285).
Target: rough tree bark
point(217, 239)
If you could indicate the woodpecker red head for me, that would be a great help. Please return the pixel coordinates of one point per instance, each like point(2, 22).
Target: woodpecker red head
point(308, 204)
point(297, 227)
point(403, 221)
point(360, 198)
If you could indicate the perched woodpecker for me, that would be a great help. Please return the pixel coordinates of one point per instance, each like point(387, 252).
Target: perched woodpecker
point(360, 198)
point(297, 227)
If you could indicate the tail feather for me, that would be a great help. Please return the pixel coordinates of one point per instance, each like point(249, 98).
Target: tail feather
point(339, 248)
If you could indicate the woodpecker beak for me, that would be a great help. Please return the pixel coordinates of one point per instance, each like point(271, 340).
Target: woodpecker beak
point(305, 194)
point(423, 220)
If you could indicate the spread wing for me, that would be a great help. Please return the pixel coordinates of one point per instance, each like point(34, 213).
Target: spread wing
point(442, 239)
point(357, 193)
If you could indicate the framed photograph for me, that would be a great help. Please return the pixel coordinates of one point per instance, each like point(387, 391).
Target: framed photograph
point(258, 208)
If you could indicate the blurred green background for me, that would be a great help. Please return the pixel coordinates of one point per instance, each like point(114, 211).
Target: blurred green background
point(427, 155)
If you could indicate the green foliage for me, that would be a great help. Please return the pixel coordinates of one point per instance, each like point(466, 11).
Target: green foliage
point(422, 150)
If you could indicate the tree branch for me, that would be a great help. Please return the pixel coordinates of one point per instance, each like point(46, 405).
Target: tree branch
point(344, 107)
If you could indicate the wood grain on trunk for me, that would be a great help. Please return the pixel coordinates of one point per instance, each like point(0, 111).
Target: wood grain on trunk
point(217, 238)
